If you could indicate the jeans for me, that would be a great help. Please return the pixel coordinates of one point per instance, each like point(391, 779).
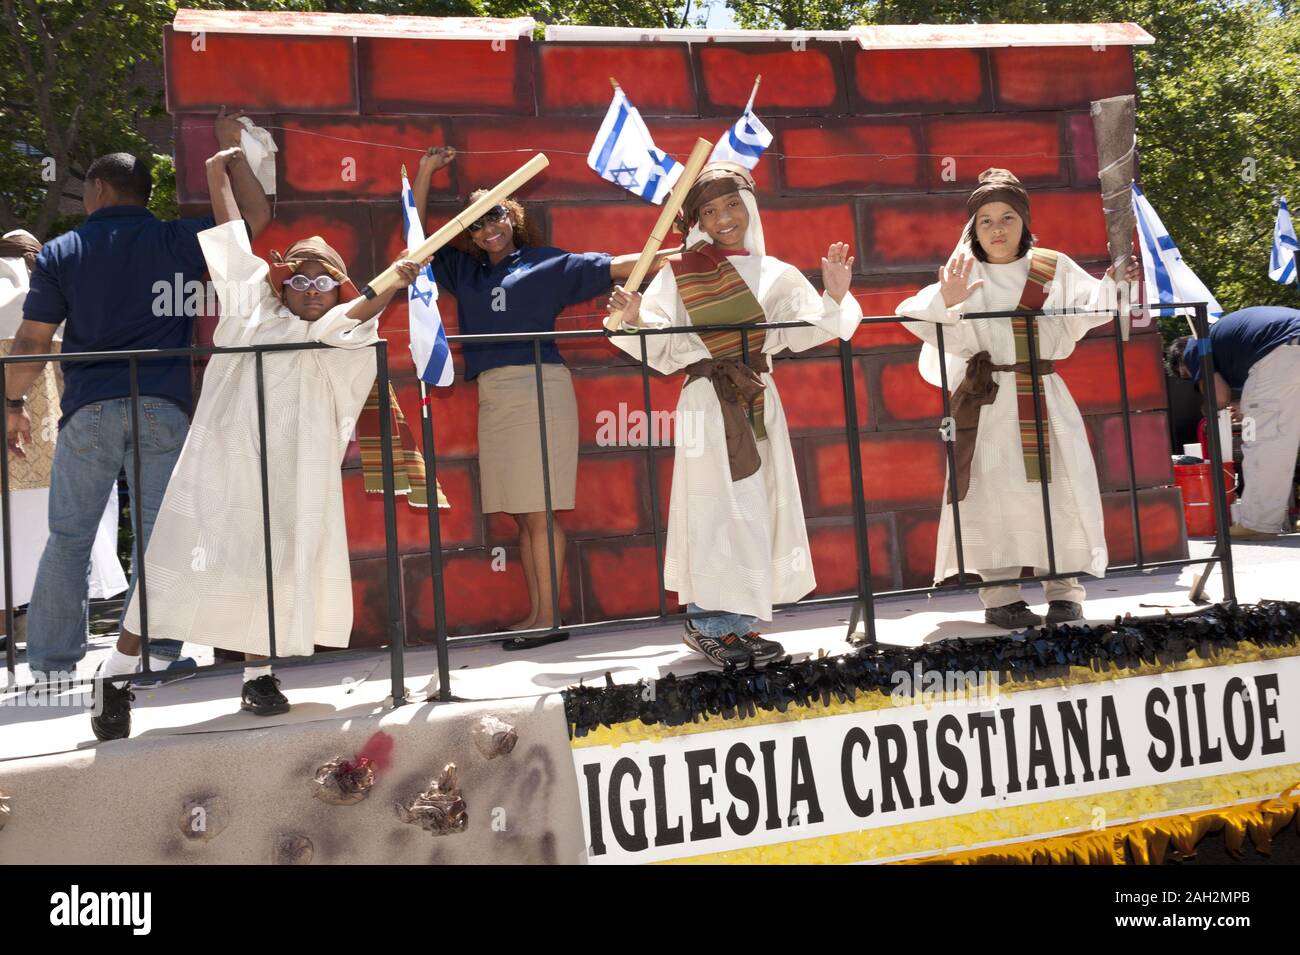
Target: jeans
point(1065, 588)
point(721, 624)
point(94, 446)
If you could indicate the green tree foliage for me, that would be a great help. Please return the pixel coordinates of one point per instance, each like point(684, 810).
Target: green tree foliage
point(1218, 111)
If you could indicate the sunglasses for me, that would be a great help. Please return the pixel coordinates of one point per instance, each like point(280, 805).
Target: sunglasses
point(323, 283)
point(495, 214)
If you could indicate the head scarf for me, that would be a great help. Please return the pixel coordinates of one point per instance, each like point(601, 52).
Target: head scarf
point(1000, 185)
point(716, 179)
point(20, 244)
point(311, 249)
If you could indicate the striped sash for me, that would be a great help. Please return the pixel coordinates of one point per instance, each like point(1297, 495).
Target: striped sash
point(408, 464)
point(714, 293)
point(1042, 269)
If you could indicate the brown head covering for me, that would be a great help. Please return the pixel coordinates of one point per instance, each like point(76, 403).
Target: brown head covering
point(716, 179)
point(311, 249)
point(1000, 185)
point(20, 244)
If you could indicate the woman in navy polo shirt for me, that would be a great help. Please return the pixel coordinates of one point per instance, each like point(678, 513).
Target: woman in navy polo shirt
point(508, 282)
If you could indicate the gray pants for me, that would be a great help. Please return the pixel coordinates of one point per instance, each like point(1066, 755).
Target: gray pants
point(1270, 431)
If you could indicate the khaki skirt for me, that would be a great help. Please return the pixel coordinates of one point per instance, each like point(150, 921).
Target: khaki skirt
point(509, 444)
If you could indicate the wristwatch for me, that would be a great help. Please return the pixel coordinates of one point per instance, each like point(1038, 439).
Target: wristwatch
point(16, 404)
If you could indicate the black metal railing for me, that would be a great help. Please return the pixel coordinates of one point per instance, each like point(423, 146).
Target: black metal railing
point(863, 601)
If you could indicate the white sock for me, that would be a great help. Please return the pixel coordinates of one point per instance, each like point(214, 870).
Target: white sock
point(252, 673)
point(120, 664)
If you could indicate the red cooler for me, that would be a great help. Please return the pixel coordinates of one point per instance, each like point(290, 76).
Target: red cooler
point(1198, 495)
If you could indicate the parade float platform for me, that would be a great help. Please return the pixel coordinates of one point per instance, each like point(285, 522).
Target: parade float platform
point(75, 800)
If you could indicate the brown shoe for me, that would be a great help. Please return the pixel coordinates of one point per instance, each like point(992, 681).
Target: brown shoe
point(1239, 533)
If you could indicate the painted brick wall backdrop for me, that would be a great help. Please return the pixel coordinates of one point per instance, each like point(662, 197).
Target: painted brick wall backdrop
point(1023, 108)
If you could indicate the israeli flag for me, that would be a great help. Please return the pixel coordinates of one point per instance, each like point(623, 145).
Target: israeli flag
point(429, 345)
point(1168, 277)
point(744, 142)
point(625, 154)
point(1282, 260)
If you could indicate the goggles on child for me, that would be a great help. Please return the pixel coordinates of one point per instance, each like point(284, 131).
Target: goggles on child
point(495, 214)
point(323, 283)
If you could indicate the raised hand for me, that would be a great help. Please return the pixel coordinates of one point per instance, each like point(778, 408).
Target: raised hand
point(628, 302)
point(955, 282)
point(225, 157)
point(837, 270)
point(434, 158)
point(408, 270)
point(228, 128)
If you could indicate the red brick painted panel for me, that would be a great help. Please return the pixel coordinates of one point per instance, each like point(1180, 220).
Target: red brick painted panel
point(808, 81)
point(330, 157)
point(611, 408)
point(812, 393)
point(613, 227)
point(918, 538)
point(612, 497)
point(921, 81)
point(344, 225)
point(460, 524)
point(1092, 375)
point(573, 78)
point(902, 398)
point(494, 148)
point(287, 74)
point(915, 234)
point(1083, 147)
point(620, 579)
point(1053, 77)
point(479, 598)
point(369, 603)
point(1164, 533)
point(455, 420)
point(835, 554)
point(196, 140)
point(851, 156)
point(445, 76)
point(1070, 222)
point(800, 232)
point(1151, 451)
point(880, 295)
point(1028, 145)
point(588, 352)
point(899, 470)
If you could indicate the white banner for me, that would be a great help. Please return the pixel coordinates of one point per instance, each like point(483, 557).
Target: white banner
point(746, 786)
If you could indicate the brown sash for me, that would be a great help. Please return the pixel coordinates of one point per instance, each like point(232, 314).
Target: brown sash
point(737, 386)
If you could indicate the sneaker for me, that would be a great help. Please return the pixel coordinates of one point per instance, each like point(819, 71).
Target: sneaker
point(725, 651)
point(262, 697)
point(1016, 616)
point(763, 651)
point(1063, 611)
point(113, 719)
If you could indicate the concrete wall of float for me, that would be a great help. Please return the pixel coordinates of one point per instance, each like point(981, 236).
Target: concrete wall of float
point(252, 796)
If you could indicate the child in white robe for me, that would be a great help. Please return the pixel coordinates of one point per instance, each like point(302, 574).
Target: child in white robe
point(737, 543)
point(205, 567)
point(1002, 527)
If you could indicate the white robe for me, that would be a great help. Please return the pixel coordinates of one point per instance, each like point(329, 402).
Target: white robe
point(1002, 514)
point(205, 567)
point(737, 546)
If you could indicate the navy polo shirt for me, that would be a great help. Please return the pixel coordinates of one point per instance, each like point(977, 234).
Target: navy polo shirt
point(524, 292)
point(119, 280)
point(1239, 339)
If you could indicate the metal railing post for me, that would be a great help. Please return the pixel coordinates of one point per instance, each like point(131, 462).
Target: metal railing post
point(267, 556)
point(866, 598)
point(137, 515)
point(951, 443)
point(436, 583)
point(1221, 513)
point(556, 621)
point(653, 476)
point(11, 636)
point(1125, 411)
point(396, 620)
point(1043, 476)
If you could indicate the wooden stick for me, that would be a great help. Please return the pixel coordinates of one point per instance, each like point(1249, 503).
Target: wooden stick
point(459, 223)
point(672, 205)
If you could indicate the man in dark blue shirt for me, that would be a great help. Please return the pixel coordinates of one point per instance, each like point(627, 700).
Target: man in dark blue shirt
point(1256, 351)
point(121, 281)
